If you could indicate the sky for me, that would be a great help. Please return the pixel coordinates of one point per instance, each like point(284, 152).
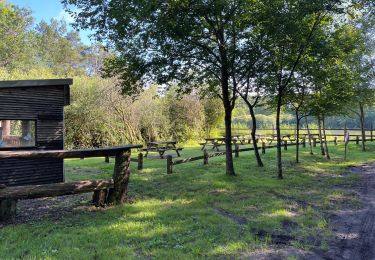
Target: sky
point(47, 9)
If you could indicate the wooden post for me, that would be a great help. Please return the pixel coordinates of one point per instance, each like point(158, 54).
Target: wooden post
point(169, 164)
point(314, 142)
point(263, 147)
point(7, 209)
point(285, 144)
point(335, 140)
point(303, 142)
point(121, 175)
point(371, 136)
point(205, 157)
point(357, 139)
point(99, 198)
point(140, 161)
point(236, 151)
point(106, 159)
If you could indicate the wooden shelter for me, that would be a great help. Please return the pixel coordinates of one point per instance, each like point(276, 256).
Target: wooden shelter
point(32, 119)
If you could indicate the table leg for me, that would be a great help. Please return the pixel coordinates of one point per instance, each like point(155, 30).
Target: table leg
point(204, 145)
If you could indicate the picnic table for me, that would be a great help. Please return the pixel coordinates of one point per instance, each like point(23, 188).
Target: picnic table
point(161, 147)
point(272, 137)
point(241, 138)
point(216, 142)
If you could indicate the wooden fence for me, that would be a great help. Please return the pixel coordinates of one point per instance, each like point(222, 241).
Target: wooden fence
point(205, 157)
point(113, 191)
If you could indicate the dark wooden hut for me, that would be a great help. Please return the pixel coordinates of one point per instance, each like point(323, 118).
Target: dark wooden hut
point(32, 118)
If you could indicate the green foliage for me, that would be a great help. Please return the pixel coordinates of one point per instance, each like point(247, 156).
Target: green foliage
point(16, 39)
point(59, 49)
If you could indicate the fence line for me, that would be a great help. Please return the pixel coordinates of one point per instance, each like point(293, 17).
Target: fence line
point(236, 151)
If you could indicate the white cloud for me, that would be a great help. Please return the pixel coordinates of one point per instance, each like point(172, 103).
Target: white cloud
point(63, 15)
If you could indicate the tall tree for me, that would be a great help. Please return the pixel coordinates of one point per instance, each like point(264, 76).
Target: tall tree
point(59, 49)
point(191, 43)
point(16, 49)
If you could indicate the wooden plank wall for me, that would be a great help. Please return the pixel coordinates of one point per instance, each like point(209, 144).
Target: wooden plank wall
point(45, 105)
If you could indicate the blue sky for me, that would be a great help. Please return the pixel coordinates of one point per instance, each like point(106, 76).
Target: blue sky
point(47, 9)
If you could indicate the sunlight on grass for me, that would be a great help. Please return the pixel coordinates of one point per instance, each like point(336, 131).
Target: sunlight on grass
point(198, 211)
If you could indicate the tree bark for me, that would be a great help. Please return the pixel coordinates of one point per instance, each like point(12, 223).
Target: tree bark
point(325, 138)
point(228, 142)
point(227, 103)
point(121, 175)
point(253, 136)
point(321, 136)
point(309, 135)
point(362, 119)
point(297, 136)
point(279, 164)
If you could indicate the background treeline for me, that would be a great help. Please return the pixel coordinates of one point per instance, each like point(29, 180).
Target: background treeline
point(100, 115)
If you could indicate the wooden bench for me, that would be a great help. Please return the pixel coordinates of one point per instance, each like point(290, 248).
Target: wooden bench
point(113, 191)
point(161, 147)
point(162, 151)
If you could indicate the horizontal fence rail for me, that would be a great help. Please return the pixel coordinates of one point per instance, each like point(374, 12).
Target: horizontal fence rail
point(262, 147)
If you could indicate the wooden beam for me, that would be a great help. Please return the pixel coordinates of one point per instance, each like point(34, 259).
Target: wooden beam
point(63, 154)
point(54, 190)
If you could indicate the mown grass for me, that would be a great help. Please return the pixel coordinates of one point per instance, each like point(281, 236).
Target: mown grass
point(197, 211)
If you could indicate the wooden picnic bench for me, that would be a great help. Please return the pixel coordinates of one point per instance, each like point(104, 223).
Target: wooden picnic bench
point(161, 147)
point(214, 142)
point(220, 141)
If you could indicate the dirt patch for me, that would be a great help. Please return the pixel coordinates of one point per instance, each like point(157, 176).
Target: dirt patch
point(238, 219)
point(29, 211)
point(354, 229)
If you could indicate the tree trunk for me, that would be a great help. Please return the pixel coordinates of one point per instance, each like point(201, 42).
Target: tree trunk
point(228, 142)
point(253, 136)
point(309, 135)
point(121, 175)
point(297, 136)
point(279, 164)
point(325, 138)
point(227, 103)
point(362, 119)
point(320, 136)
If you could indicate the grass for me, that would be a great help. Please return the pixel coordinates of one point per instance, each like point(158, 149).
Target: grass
point(197, 211)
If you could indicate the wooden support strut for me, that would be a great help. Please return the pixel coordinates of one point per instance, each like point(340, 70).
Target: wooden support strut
point(371, 136)
point(169, 164)
point(140, 161)
point(121, 175)
point(205, 157)
point(236, 151)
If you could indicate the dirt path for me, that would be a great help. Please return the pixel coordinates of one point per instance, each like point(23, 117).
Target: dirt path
point(355, 229)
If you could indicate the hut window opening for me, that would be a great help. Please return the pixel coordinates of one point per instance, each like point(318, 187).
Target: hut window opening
point(17, 133)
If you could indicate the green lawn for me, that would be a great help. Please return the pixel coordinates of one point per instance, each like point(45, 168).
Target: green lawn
point(197, 211)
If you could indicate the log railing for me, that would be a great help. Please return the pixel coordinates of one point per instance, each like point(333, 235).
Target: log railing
point(112, 191)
